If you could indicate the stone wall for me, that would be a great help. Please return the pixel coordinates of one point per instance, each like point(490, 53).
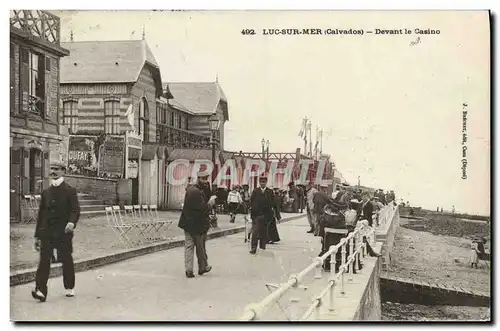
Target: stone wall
point(100, 188)
point(386, 236)
point(408, 291)
point(370, 306)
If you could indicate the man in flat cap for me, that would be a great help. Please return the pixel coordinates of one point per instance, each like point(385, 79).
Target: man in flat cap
point(263, 207)
point(57, 218)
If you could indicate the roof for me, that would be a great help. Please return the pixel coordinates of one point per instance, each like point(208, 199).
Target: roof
point(105, 61)
point(191, 154)
point(198, 98)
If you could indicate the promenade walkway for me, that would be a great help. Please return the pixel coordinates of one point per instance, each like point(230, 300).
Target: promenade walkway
point(154, 288)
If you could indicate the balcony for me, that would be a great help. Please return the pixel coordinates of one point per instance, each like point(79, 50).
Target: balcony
point(179, 138)
point(38, 23)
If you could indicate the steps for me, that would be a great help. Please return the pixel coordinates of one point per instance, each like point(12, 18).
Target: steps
point(412, 291)
point(90, 206)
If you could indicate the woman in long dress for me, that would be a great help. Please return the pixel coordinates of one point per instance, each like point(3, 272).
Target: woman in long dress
point(271, 228)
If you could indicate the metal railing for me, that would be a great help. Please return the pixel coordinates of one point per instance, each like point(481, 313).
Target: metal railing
point(353, 250)
point(180, 138)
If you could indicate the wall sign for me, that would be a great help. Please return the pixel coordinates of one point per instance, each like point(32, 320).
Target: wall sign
point(112, 154)
point(133, 168)
point(82, 155)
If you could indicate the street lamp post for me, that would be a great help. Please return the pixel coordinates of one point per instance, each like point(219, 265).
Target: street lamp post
point(214, 123)
point(267, 148)
point(263, 143)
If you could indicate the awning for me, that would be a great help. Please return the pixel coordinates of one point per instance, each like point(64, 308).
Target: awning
point(149, 152)
point(192, 154)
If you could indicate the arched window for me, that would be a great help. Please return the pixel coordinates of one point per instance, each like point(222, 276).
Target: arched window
point(112, 116)
point(144, 119)
point(70, 115)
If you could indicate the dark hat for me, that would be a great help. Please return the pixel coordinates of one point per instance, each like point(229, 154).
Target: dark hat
point(291, 183)
point(262, 178)
point(58, 164)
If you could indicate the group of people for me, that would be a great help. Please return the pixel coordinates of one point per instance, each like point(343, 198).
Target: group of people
point(199, 202)
point(340, 212)
point(59, 213)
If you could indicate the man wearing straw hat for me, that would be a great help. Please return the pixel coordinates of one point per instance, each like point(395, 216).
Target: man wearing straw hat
point(57, 218)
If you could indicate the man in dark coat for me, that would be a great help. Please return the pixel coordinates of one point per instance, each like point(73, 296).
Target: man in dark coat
point(277, 201)
point(271, 227)
point(367, 208)
point(262, 213)
point(292, 194)
point(301, 198)
point(320, 200)
point(57, 218)
point(246, 198)
point(195, 221)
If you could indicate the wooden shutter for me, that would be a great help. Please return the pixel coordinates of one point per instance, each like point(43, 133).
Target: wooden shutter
point(12, 78)
point(48, 92)
point(43, 90)
point(24, 79)
point(45, 168)
point(15, 168)
point(25, 170)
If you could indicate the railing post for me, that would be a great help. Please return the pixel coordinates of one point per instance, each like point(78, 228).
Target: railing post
point(333, 261)
point(342, 266)
point(352, 264)
point(319, 266)
point(359, 257)
point(331, 294)
point(317, 309)
point(294, 313)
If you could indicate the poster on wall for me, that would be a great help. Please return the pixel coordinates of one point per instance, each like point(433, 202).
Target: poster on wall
point(82, 156)
point(133, 169)
point(112, 155)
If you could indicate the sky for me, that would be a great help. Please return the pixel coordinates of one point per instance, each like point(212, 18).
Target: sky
point(390, 106)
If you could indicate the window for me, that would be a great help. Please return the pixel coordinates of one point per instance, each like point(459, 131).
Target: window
point(144, 119)
point(161, 122)
point(183, 122)
point(171, 118)
point(158, 113)
point(36, 88)
point(70, 115)
point(176, 123)
point(112, 117)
